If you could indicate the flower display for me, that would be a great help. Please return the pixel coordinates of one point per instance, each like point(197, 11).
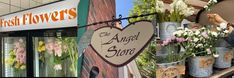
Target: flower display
point(55, 47)
point(59, 51)
point(200, 41)
point(179, 10)
point(173, 40)
point(17, 58)
point(41, 47)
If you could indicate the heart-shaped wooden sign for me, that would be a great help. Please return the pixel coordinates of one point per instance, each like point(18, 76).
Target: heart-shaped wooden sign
point(118, 46)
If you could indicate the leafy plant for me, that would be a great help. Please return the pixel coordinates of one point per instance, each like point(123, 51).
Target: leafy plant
point(179, 10)
point(146, 61)
point(61, 52)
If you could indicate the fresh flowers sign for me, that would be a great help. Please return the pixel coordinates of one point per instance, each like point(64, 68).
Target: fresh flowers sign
point(177, 12)
point(120, 46)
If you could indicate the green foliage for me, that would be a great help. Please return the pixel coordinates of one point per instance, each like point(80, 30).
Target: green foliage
point(142, 7)
point(146, 61)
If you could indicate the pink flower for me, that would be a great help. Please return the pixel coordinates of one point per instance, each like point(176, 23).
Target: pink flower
point(21, 55)
point(21, 40)
point(17, 44)
point(204, 34)
point(168, 41)
point(58, 48)
point(65, 48)
point(50, 47)
point(180, 40)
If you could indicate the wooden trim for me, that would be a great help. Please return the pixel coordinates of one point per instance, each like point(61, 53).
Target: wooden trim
point(224, 73)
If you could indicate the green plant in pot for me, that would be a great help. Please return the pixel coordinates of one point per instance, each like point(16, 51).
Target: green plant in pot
point(170, 19)
point(224, 50)
point(172, 64)
point(199, 49)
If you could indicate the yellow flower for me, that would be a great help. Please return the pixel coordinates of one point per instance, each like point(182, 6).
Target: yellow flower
point(10, 61)
point(41, 46)
point(23, 67)
point(17, 65)
point(41, 43)
point(11, 53)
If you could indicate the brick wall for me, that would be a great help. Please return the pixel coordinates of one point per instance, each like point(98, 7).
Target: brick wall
point(99, 10)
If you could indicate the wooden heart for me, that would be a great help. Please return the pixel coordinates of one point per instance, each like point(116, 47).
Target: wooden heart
point(118, 46)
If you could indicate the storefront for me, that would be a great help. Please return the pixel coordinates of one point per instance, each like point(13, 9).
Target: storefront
point(41, 41)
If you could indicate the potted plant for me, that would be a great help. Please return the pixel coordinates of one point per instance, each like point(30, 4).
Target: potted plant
point(223, 49)
point(172, 64)
point(199, 50)
point(170, 18)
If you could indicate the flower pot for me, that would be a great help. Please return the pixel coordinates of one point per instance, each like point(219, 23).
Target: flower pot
point(166, 29)
point(170, 70)
point(225, 57)
point(201, 66)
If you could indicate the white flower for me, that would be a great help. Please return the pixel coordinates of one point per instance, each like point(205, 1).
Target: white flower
point(214, 34)
point(223, 25)
point(208, 51)
point(199, 45)
point(188, 11)
point(180, 28)
point(215, 55)
point(195, 39)
point(226, 31)
point(206, 6)
point(186, 29)
point(58, 67)
point(178, 33)
point(215, 1)
point(218, 28)
point(197, 32)
point(160, 6)
point(203, 28)
point(178, 5)
point(194, 54)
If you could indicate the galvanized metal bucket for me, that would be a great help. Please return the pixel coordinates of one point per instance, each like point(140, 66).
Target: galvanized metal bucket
point(201, 66)
point(170, 70)
point(225, 57)
point(166, 29)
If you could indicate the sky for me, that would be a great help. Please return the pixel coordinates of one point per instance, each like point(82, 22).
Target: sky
point(123, 7)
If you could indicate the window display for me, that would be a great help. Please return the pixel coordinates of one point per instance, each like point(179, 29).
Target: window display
point(55, 56)
point(14, 53)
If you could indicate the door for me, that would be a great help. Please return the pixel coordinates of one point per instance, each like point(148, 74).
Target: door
point(39, 53)
point(55, 53)
point(13, 56)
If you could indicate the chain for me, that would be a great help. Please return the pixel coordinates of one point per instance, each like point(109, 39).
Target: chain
point(116, 20)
